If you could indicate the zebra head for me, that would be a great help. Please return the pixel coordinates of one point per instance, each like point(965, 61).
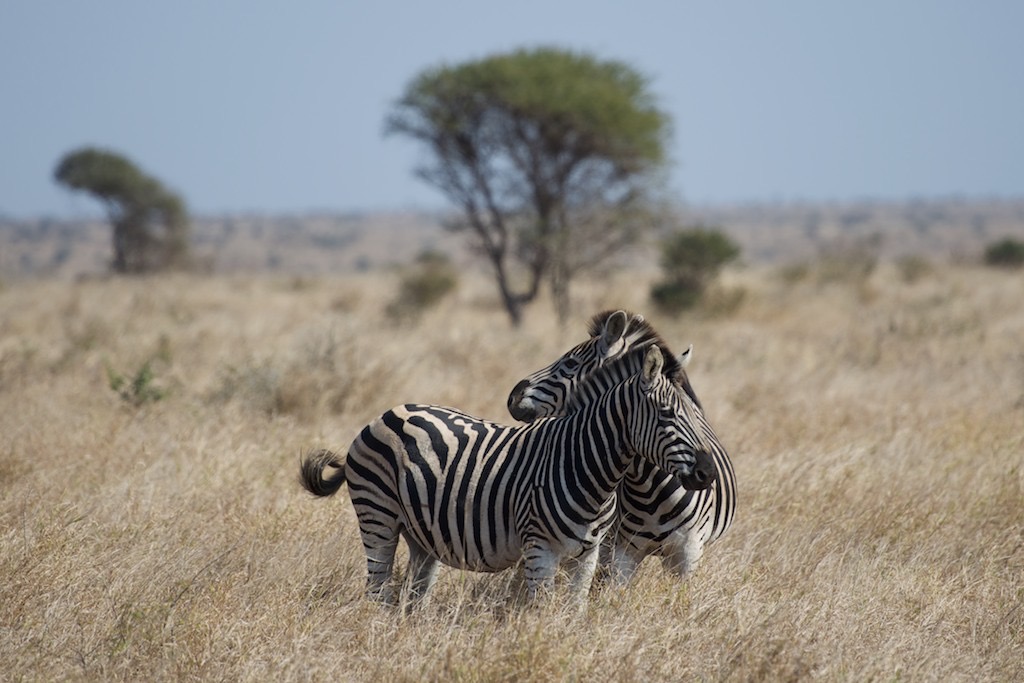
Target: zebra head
point(663, 427)
point(613, 335)
point(547, 391)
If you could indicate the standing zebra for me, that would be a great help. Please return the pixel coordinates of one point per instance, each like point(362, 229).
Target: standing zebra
point(656, 513)
point(478, 495)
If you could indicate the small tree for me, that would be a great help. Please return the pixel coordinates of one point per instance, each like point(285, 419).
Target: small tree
point(1006, 253)
point(690, 261)
point(549, 155)
point(150, 223)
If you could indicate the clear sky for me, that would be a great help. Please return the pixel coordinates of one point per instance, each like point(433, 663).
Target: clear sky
point(251, 105)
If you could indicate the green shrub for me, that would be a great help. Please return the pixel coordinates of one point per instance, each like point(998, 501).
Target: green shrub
point(423, 286)
point(1006, 253)
point(698, 252)
point(675, 296)
point(140, 388)
point(690, 260)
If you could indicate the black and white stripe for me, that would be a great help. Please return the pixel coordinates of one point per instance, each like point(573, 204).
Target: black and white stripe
point(478, 495)
point(656, 514)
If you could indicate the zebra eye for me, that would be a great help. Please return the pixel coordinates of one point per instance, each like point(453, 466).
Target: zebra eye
point(571, 364)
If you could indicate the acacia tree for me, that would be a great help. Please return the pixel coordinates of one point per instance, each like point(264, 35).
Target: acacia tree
point(550, 155)
point(150, 223)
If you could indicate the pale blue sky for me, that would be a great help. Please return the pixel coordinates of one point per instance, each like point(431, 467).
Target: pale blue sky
point(246, 105)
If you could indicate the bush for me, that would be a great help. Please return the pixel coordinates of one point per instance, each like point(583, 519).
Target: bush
point(141, 387)
point(691, 260)
point(698, 252)
point(675, 296)
point(257, 385)
point(423, 286)
point(1006, 253)
point(138, 389)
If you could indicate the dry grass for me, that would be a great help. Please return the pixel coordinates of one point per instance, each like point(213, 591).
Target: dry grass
point(876, 426)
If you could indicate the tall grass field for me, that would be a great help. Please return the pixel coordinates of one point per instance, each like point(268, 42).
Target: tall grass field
point(153, 527)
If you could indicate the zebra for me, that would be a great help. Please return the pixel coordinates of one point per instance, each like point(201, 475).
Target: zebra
point(478, 495)
point(656, 514)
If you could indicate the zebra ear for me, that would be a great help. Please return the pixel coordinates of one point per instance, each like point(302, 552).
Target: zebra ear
point(614, 328)
point(686, 356)
point(653, 363)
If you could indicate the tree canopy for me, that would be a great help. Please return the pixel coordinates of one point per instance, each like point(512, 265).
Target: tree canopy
point(549, 154)
point(150, 222)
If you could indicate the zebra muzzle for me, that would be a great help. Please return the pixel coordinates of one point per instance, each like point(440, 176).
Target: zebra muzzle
point(523, 413)
point(704, 472)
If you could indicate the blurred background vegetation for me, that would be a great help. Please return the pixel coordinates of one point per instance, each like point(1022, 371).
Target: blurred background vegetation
point(554, 163)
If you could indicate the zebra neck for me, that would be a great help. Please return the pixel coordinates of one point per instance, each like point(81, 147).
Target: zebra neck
point(724, 488)
point(592, 453)
point(603, 383)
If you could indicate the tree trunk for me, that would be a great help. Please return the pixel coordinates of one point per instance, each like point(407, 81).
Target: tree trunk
point(560, 291)
point(513, 303)
point(120, 240)
point(560, 273)
point(515, 311)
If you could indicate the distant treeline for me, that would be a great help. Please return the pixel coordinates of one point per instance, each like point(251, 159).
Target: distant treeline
point(321, 243)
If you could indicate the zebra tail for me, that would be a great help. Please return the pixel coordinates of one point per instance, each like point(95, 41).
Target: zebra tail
point(311, 473)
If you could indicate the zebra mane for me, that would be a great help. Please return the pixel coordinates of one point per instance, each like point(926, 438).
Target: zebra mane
point(639, 335)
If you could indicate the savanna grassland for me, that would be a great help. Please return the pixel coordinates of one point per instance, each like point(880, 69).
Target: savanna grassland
point(153, 527)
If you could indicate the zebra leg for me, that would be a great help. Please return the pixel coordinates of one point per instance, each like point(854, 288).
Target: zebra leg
point(380, 541)
point(540, 566)
point(681, 552)
point(421, 572)
point(621, 564)
point(380, 563)
point(604, 561)
point(583, 575)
